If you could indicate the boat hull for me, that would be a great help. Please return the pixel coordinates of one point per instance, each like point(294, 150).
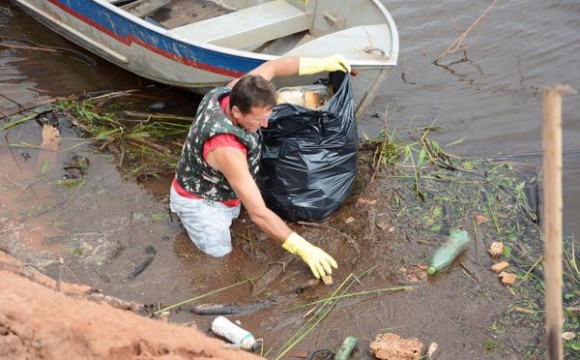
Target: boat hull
point(148, 51)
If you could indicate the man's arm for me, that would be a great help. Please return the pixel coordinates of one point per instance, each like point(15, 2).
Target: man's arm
point(233, 164)
point(290, 66)
point(287, 66)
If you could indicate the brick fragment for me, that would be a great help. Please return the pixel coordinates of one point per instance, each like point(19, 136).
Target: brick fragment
point(500, 266)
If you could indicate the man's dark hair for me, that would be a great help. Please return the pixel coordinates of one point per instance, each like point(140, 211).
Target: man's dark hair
point(252, 91)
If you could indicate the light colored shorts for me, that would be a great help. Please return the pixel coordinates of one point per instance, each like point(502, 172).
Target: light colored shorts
point(207, 222)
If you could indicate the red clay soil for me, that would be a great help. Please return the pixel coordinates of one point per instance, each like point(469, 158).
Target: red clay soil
point(37, 321)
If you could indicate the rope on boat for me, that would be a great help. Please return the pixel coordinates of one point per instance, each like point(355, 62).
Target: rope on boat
point(371, 94)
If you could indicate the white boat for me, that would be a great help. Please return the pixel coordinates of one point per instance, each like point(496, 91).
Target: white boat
point(201, 44)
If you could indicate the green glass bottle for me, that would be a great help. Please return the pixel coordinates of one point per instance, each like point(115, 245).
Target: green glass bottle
point(455, 244)
point(346, 348)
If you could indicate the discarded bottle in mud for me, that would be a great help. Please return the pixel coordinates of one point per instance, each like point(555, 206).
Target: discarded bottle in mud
point(455, 244)
point(238, 336)
point(346, 348)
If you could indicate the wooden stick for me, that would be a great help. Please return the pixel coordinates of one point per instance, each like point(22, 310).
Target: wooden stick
point(552, 139)
point(454, 46)
point(28, 48)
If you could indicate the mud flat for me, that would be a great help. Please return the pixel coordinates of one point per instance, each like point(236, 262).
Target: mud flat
point(111, 230)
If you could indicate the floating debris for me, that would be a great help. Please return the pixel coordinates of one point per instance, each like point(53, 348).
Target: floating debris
point(159, 105)
point(150, 255)
point(346, 348)
point(568, 335)
point(238, 336)
point(455, 244)
point(414, 273)
point(232, 309)
point(431, 349)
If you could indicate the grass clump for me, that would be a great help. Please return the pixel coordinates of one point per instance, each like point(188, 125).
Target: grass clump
point(144, 144)
point(496, 200)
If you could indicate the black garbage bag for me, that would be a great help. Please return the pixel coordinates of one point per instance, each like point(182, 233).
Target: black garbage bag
point(310, 157)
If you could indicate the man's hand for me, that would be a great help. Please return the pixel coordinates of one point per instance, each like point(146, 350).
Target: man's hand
point(319, 261)
point(336, 62)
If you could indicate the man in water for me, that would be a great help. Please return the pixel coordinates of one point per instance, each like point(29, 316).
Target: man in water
point(220, 158)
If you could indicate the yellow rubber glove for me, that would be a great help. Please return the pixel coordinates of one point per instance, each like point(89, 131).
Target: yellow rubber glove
point(319, 262)
point(336, 62)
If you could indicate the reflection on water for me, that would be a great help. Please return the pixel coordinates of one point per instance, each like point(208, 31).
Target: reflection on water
point(32, 72)
point(571, 189)
point(488, 93)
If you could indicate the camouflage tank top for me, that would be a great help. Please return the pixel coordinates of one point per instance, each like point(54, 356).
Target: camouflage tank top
point(194, 174)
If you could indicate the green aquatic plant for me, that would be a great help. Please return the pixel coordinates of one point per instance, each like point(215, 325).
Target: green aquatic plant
point(144, 144)
point(320, 312)
point(434, 191)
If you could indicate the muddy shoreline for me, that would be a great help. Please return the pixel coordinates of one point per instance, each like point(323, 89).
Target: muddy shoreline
point(44, 319)
point(483, 101)
point(131, 248)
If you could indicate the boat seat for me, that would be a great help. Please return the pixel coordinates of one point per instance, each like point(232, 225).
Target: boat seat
point(247, 27)
point(364, 42)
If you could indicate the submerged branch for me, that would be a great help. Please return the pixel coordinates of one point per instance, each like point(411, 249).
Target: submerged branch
point(141, 141)
point(13, 101)
point(52, 49)
point(167, 308)
point(156, 116)
point(455, 45)
point(360, 293)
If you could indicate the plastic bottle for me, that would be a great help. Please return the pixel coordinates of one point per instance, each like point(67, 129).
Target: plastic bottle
point(457, 241)
point(346, 348)
point(244, 339)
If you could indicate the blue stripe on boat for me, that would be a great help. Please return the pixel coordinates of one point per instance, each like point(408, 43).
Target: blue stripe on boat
point(127, 32)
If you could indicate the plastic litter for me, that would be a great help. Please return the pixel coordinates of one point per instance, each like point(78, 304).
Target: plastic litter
point(235, 334)
point(310, 96)
point(346, 348)
point(456, 243)
point(310, 157)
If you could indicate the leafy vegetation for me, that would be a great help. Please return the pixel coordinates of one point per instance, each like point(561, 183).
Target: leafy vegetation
point(144, 144)
point(496, 200)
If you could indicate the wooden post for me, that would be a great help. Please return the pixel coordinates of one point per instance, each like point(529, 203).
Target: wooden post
point(552, 139)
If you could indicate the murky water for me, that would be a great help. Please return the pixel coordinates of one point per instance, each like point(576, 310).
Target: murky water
point(489, 95)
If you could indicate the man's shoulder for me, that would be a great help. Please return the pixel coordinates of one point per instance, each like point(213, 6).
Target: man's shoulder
point(218, 91)
point(211, 98)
